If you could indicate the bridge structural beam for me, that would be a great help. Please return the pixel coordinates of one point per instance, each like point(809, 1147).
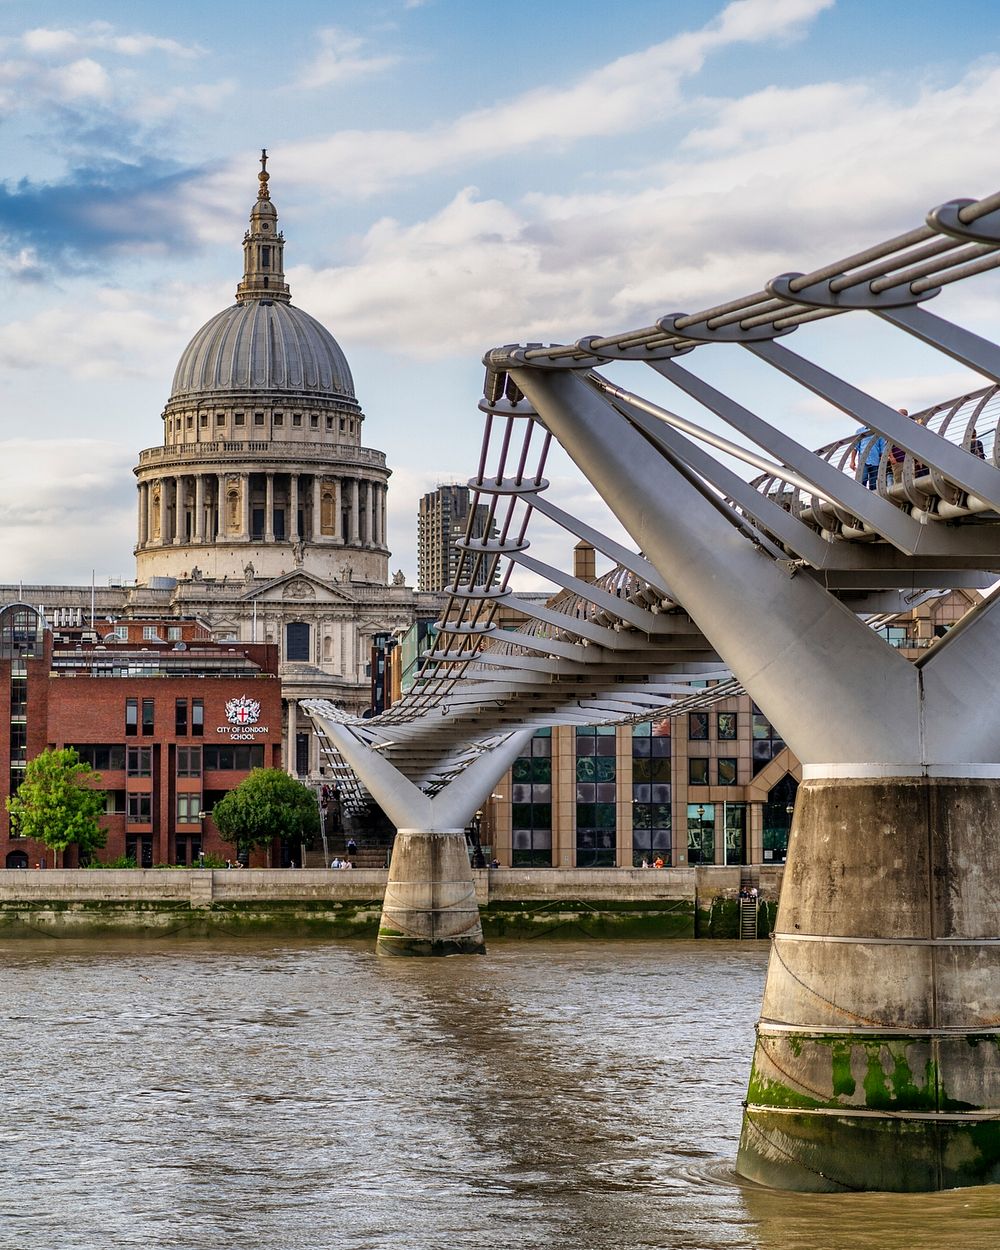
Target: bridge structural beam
point(430, 905)
point(877, 1063)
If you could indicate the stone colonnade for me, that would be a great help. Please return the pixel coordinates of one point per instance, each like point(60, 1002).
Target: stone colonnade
point(206, 507)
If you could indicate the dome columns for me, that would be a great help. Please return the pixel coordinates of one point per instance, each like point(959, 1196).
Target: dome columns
point(290, 513)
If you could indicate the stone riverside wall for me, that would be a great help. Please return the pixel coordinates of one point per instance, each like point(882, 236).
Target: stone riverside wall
point(599, 902)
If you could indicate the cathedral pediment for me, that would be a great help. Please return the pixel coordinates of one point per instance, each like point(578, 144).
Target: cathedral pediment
point(299, 587)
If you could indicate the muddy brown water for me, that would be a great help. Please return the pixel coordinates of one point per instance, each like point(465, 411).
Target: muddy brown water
point(251, 1094)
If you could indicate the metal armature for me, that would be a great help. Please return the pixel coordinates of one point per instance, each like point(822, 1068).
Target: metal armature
point(886, 948)
point(623, 646)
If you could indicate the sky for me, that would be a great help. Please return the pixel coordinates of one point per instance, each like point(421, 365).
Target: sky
point(450, 175)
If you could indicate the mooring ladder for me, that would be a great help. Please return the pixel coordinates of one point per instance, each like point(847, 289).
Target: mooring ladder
point(748, 918)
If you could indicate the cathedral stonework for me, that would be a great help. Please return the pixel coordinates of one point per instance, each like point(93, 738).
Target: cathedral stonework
point(262, 514)
point(262, 461)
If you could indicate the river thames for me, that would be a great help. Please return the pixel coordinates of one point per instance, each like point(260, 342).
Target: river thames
point(248, 1094)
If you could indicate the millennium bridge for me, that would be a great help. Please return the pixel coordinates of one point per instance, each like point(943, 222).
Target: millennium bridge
point(877, 1062)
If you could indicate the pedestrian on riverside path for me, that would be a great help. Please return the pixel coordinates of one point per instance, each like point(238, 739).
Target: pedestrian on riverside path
point(352, 847)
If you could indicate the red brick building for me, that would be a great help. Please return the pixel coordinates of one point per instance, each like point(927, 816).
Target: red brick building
point(171, 721)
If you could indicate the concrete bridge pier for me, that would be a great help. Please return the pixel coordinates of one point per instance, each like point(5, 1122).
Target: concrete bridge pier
point(877, 1063)
point(430, 905)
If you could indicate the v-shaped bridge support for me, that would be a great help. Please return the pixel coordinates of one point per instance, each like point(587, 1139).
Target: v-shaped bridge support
point(430, 905)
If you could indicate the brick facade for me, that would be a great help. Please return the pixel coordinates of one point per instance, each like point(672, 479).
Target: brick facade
point(170, 726)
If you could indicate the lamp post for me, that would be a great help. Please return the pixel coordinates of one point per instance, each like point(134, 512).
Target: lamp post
point(478, 859)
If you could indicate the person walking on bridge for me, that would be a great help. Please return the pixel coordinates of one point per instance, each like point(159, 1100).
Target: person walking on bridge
point(871, 446)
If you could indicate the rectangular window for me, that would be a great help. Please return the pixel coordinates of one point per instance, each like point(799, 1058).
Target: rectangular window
point(279, 418)
point(139, 762)
point(148, 708)
point(297, 419)
point(701, 833)
point(18, 697)
point(314, 422)
point(197, 718)
point(204, 419)
point(187, 849)
point(151, 634)
point(698, 726)
point(188, 809)
point(175, 633)
point(181, 717)
point(239, 419)
point(727, 771)
point(233, 758)
point(141, 850)
point(189, 761)
point(140, 808)
point(697, 772)
point(114, 802)
point(121, 633)
point(131, 717)
point(258, 418)
point(329, 423)
point(726, 726)
point(220, 418)
point(104, 757)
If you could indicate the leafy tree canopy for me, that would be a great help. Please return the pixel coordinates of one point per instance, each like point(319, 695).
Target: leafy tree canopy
point(57, 804)
point(268, 804)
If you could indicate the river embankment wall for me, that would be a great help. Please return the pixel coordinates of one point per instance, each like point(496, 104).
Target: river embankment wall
point(599, 902)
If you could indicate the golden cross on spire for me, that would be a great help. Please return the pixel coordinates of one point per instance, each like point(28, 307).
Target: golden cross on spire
point(263, 193)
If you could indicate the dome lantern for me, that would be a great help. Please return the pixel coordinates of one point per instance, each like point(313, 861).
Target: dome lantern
point(263, 248)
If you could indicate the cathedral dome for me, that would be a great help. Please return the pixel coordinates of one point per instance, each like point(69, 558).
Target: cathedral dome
point(263, 345)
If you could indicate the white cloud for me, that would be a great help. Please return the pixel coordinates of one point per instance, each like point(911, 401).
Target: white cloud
point(124, 334)
point(339, 60)
point(630, 93)
point(750, 196)
point(48, 42)
point(64, 503)
point(81, 79)
point(49, 66)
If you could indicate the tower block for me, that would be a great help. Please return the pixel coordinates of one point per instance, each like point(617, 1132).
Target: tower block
point(877, 1062)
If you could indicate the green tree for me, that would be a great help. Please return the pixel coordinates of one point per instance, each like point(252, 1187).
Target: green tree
point(268, 804)
point(57, 803)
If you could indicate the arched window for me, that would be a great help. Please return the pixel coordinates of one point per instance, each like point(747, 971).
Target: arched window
point(327, 512)
point(328, 648)
point(17, 859)
point(297, 641)
point(20, 631)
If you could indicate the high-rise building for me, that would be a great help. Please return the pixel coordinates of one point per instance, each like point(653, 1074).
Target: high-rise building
point(443, 518)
